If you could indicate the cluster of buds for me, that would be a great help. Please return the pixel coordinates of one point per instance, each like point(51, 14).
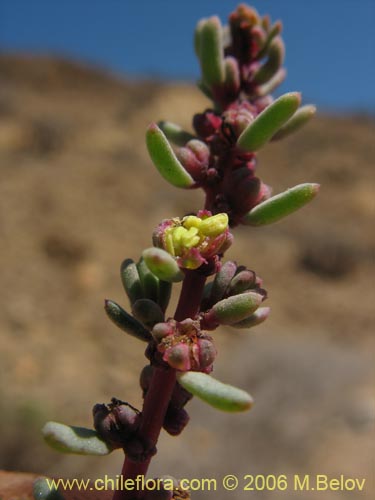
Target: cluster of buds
point(184, 346)
point(245, 57)
point(233, 298)
point(241, 65)
point(117, 423)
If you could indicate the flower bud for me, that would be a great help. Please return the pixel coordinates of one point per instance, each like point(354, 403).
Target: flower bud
point(241, 282)
point(180, 396)
point(206, 124)
point(195, 158)
point(178, 357)
point(176, 419)
point(162, 330)
point(206, 353)
point(237, 119)
point(116, 422)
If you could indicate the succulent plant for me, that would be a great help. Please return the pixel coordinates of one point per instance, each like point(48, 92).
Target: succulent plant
point(241, 65)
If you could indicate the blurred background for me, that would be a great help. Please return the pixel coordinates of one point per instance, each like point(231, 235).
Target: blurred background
point(79, 83)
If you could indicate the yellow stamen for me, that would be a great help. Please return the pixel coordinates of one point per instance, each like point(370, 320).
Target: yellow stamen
point(215, 225)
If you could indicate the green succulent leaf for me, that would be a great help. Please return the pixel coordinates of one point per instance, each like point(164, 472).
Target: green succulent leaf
point(204, 89)
point(43, 490)
point(175, 133)
point(125, 321)
point(235, 308)
point(268, 122)
point(165, 160)
point(272, 84)
point(210, 51)
point(222, 281)
point(281, 205)
point(254, 319)
point(272, 32)
point(197, 37)
point(131, 281)
point(148, 312)
point(149, 281)
point(232, 73)
point(164, 294)
point(77, 440)
point(217, 394)
point(298, 120)
point(276, 54)
point(162, 264)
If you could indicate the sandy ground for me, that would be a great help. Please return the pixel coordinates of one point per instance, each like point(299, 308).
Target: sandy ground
point(78, 194)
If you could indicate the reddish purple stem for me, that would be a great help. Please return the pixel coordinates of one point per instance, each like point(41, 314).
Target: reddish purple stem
point(161, 387)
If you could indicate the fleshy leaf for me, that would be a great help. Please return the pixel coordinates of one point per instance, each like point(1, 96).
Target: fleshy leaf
point(276, 54)
point(175, 133)
point(255, 319)
point(125, 321)
point(298, 120)
point(164, 294)
point(268, 122)
point(217, 394)
point(232, 74)
point(197, 36)
point(210, 51)
point(234, 309)
point(43, 490)
point(270, 86)
point(131, 281)
point(165, 160)
point(148, 312)
point(149, 281)
point(222, 281)
point(77, 440)
point(162, 264)
point(273, 31)
point(281, 205)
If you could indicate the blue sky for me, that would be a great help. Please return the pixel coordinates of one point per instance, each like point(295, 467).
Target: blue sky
point(330, 43)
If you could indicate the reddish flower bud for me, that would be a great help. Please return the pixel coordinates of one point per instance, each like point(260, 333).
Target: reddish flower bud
point(176, 419)
point(116, 422)
point(180, 396)
point(206, 124)
point(195, 158)
point(207, 353)
point(178, 357)
point(237, 118)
